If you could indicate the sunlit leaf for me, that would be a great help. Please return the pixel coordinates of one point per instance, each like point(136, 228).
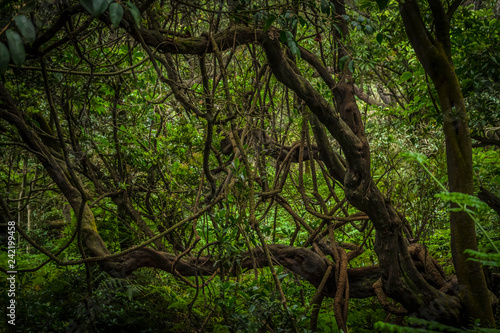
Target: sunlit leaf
point(420, 158)
point(461, 199)
point(406, 76)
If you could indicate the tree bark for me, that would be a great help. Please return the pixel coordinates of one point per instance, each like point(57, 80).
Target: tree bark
point(400, 278)
point(490, 199)
point(435, 55)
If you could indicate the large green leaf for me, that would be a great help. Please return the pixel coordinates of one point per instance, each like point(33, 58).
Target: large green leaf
point(4, 58)
point(95, 7)
point(115, 13)
point(26, 27)
point(100, 6)
point(135, 12)
point(269, 22)
point(16, 47)
point(89, 6)
point(406, 76)
point(351, 66)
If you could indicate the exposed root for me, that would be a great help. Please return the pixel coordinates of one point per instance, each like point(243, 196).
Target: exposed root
point(382, 298)
point(434, 271)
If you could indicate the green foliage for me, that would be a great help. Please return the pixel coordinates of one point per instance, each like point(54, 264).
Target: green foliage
point(426, 326)
point(287, 37)
point(16, 47)
point(487, 259)
point(95, 7)
point(143, 143)
point(477, 63)
point(135, 13)
point(461, 200)
point(115, 13)
point(26, 27)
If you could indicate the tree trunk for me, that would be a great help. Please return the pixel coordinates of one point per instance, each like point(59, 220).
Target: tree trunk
point(400, 278)
point(435, 56)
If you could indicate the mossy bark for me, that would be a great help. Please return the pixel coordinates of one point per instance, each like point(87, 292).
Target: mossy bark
point(434, 52)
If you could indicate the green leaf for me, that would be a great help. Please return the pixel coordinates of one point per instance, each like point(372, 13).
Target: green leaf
point(283, 36)
point(292, 44)
point(4, 58)
point(100, 6)
point(26, 27)
point(269, 22)
point(325, 7)
point(282, 276)
point(368, 29)
point(342, 61)
point(135, 13)
point(382, 4)
point(351, 66)
point(89, 6)
point(420, 158)
point(462, 198)
point(380, 38)
point(16, 47)
point(488, 259)
point(294, 48)
point(115, 14)
point(406, 76)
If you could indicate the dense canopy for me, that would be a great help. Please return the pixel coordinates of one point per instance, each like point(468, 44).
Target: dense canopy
point(250, 166)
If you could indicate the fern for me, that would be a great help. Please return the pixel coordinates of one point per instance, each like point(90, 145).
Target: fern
point(487, 259)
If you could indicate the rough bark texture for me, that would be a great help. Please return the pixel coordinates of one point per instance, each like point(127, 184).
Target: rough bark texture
point(435, 55)
point(400, 278)
point(490, 199)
